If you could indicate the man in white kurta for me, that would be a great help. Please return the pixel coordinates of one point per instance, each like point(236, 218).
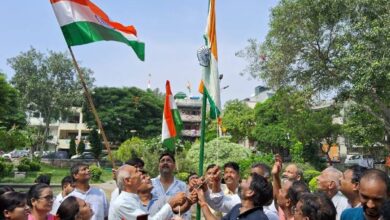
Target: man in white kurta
point(127, 205)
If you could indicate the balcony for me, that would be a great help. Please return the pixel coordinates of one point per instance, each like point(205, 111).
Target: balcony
point(190, 118)
point(190, 133)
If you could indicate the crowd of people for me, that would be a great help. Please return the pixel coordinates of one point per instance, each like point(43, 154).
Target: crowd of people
point(221, 193)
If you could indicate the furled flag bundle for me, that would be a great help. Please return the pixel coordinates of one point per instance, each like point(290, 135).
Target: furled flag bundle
point(172, 124)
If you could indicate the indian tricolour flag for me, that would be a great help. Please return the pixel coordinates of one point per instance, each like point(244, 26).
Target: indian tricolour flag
point(210, 73)
point(83, 22)
point(172, 124)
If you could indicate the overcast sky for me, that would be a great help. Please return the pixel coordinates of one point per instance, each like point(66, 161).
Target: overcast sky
point(171, 29)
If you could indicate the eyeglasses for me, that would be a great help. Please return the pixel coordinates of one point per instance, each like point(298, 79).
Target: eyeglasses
point(47, 198)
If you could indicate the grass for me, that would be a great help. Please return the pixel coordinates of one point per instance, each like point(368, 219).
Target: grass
point(57, 175)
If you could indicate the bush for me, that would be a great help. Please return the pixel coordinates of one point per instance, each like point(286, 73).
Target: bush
point(5, 167)
point(26, 164)
point(308, 175)
point(313, 184)
point(182, 176)
point(96, 172)
point(246, 163)
point(23, 167)
point(35, 166)
point(50, 174)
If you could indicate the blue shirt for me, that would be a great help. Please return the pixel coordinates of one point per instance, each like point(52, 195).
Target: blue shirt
point(252, 214)
point(176, 187)
point(353, 214)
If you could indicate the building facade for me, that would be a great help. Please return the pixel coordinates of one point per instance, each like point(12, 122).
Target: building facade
point(62, 130)
point(190, 109)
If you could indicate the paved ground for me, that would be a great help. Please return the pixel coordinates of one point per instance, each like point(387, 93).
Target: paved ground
point(108, 187)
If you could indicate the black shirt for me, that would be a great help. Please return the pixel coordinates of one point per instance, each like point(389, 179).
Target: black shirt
point(252, 214)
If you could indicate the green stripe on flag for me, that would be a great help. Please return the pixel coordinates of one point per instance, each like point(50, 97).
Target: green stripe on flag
point(214, 111)
point(84, 32)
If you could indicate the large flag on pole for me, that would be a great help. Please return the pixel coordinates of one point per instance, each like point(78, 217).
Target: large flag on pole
point(83, 22)
point(172, 124)
point(214, 111)
point(210, 73)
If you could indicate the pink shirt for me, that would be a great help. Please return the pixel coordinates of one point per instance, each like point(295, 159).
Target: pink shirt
point(280, 214)
point(49, 217)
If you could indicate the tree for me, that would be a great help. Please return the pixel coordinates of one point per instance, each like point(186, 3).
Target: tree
point(81, 147)
point(48, 82)
point(124, 110)
point(12, 139)
point(238, 120)
point(96, 144)
point(339, 48)
point(218, 151)
point(288, 121)
point(72, 147)
point(11, 112)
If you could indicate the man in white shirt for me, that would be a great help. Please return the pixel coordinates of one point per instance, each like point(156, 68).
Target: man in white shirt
point(94, 196)
point(328, 182)
point(67, 187)
point(127, 205)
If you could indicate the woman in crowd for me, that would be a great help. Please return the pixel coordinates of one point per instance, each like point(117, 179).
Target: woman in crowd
point(13, 206)
point(73, 208)
point(40, 199)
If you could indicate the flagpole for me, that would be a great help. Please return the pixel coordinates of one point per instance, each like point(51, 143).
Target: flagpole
point(201, 148)
point(92, 107)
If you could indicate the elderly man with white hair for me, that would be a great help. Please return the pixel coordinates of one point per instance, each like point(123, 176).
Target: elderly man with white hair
point(127, 205)
point(328, 182)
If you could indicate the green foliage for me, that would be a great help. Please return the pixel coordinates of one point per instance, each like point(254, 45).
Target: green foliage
point(246, 163)
point(72, 147)
point(308, 175)
point(361, 127)
point(5, 167)
point(238, 120)
point(11, 112)
point(47, 83)
point(25, 164)
point(149, 150)
point(129, 149)
point(286, 120)
point(45, 173)
point(96, 172)
point(296, 152)
point(218, 151)
point(313, 184)
point(123, 110)
point(336, 48)
point(182, 176)
point(96, 143)
point(13, 139)
point(81, 147)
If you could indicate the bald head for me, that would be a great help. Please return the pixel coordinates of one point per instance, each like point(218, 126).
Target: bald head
point(128, 178)
point(333, 174)
point(292, 172)
point(329, 181)
point(377, 176)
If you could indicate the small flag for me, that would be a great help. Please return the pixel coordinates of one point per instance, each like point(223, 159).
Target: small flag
point(83, 22)
point(172, 124)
